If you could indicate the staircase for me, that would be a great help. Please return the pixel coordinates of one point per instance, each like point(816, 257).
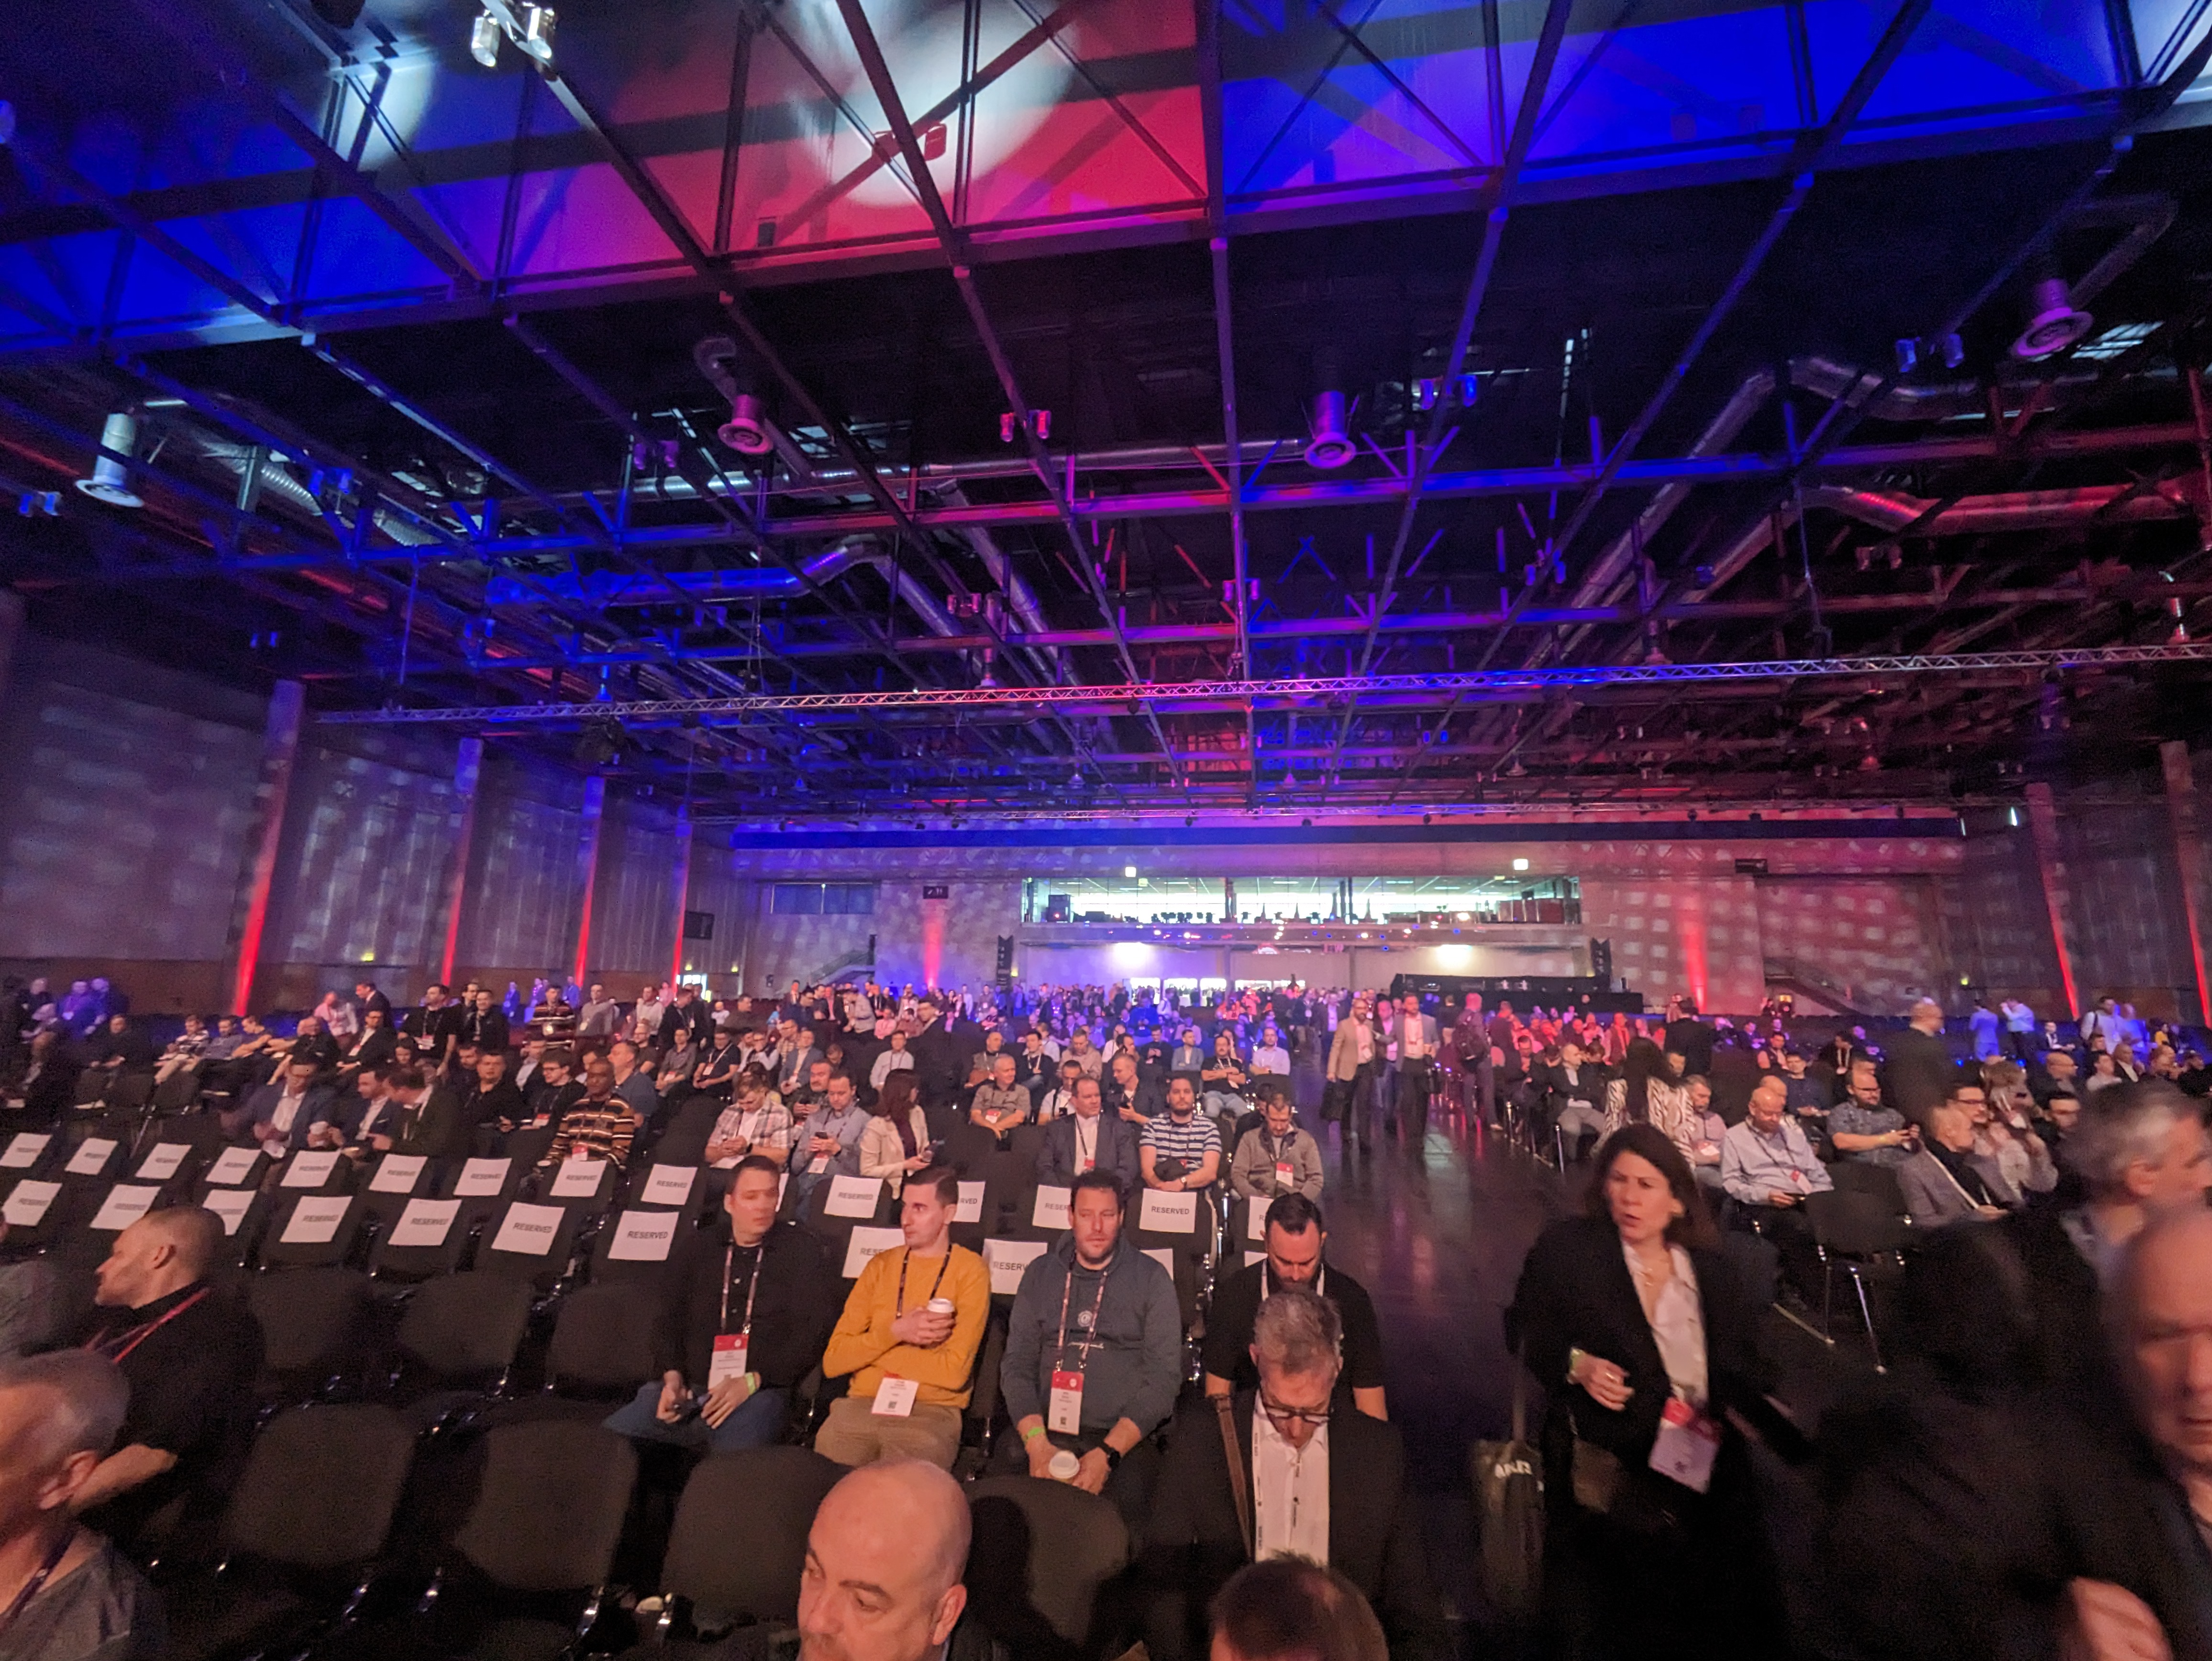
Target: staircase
point(1802, 979)
point(862, 957)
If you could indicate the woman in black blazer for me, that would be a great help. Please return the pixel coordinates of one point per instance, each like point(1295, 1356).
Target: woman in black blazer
point(1638, 1562)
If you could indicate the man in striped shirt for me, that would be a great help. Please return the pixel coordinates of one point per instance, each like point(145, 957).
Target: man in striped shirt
point(1183, 1149)
point(599, 1127)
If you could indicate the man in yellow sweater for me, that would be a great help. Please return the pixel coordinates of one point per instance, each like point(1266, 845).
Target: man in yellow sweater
point(908, 1336)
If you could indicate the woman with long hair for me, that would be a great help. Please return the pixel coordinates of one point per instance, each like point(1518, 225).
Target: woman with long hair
point(894, 1143)
point(1632, 1321)
point(1650, 1090)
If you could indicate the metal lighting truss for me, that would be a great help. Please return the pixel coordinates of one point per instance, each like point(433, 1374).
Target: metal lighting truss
point(1312, 688)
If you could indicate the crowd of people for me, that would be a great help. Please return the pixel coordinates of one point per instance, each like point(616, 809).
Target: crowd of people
point(2053, 1291)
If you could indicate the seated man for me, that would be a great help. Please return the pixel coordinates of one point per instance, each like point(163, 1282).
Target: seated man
point(1804, 1095)
point(1269, 1059)
point(745, 1309)
point(633, 1084)
point(1862, 1129)
point(896, 1058)
point(828, 1143)
point(1295, 1241)
point(557, 1089)
point(1088, 1138)
point(908, 1337)
point(494, 1101)
point(190, 1350)
point(425, 1119)
point(1766, 1161)
point(1326, 1485)
point(600, 1126)
point(1946, 1182)
point(1288, 1609)
point(1183, 1150)
point(1275, 1157)
point(999, 1103)
point(184, 1050)
point(1224, 1078)
point(882, 1581)
point(1129, 1096)
point(755, 1124)
point(59, 1416)
point(1059, 1101)
point(1094, 1356)
point(279, 1117)
point(1573, 1093)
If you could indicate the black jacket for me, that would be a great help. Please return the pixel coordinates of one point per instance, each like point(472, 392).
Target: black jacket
point(1193, 1543)
point(797, 1307)
point(1918, 1074)
point(1116, 1152)
point(1693, 1040)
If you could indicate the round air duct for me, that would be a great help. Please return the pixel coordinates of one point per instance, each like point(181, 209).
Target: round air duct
point(111, 480)
point(1331, 446)
point(746, 430)
point(2053, 322)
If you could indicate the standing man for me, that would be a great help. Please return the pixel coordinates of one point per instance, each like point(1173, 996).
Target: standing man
point(1354, 1056)
point(599, 1017)
point(1094, 1352)
point(1417, 1049)
point(908, 1337)
point(1920, 1068)
point(2020, 1031)
point(436, 1027)
point(1471, 1042)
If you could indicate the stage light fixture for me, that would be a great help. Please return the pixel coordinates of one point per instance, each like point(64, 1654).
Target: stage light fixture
point(111, 479)
point(746, 430)
point(1331, 446)
point(2054, 322)
point(537, 37)
point(483, 41)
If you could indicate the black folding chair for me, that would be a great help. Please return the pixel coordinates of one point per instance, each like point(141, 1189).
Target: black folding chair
point(1857, 1232)
point(1041, 1553)
point(464, 1330)
point(665, 1185)
point(312, 1231)
point(533, 1240)
point(303, 1534)
point(739, 1542)
point(633, 1247)
point(602, 1343)
point(425, 1238)
point(314, 1328)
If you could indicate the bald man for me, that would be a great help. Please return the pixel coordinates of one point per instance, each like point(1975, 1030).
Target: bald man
point(884, 1565)
point(190, 1351)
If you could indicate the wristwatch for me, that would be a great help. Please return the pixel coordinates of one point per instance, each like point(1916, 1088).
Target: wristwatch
point(1113, 1456)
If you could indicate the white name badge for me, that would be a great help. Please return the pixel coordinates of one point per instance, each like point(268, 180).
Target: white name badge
point(576, 1179)
point(1007, 1260)
point(1255, 1217)
point(162, 1161)
point(867, 1244)
point(895, 1397)
point(24, 1148)
point(1063, 1410)
point(853, 1197)
point(232, 1166)
point(1688, 1444)
point(728, 1359)
point(970, 1209)
point(398, 1173)
point(482, 1178)
point(314, 1222)
point(643, 1236)
point(424, 1223)
point(310, 1169)
point(125, 1205)
point(669, 1185)
point(1051, 1210)
point(231, 1204)
point(1168, 1213)
point(91, 1157)
point(817, 1166)
point(27, 1205)
point(528, 1230)
point(1163, 1257)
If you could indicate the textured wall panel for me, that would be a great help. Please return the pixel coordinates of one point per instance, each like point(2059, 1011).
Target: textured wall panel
point(1878, 938)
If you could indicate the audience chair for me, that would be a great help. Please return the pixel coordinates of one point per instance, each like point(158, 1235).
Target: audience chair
point(314, 1230)
point(684, 1141)
point(602, 1343)
point(969, 1147)
point(1857, 1176)
point(653, 1180)
point(422, 1239)
point(465, 1328)
point(1858, 1233)
point(532, 1240)
point(633, 1247)
point(302, 1536)
point(1043, 1553)
point(314, 1328)
point(739, 1542)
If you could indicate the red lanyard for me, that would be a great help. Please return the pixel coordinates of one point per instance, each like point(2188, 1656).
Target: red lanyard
point(1091, 1336)
point(138, 1336)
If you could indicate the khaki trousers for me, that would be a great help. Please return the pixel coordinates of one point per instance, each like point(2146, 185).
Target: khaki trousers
point(853, 1435)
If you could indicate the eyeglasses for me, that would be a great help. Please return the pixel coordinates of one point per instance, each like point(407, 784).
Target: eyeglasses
point(1283, 1415)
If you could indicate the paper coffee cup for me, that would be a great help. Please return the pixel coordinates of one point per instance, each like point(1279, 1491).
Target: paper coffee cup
point(1064, 1466)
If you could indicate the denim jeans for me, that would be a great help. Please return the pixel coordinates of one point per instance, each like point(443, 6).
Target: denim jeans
point(756, 1423)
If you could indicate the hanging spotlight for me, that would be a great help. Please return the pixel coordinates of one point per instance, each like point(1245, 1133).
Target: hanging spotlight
point(111, 479)
point(537, 37)
point(746, 430)
point(1331, 446)
point(483, 41)
point(2053, 322)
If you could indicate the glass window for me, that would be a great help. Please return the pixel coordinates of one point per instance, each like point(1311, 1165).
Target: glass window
point(796, 899)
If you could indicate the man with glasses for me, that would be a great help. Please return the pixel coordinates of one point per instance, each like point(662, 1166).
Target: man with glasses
point(1314, 1484)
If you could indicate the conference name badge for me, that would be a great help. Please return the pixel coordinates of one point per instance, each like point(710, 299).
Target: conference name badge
point(728, 1360)
point(1064, 1410)
point(895, 1397)
point(1688, 1444)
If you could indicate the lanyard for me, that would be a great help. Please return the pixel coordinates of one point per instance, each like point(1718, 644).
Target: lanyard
point(138, 1336)
point(40, 1576)
point(752, 1287)
point(1086, 1156)
point(906, 1258)
point(1091, 1336)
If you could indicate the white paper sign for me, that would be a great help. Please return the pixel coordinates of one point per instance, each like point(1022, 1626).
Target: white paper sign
point(866, 1244)
point(577, 1179)
point(1051, 1210)
point(398, 1173)
point(853, 1197)
point(424, 1223)
point(231, 1204)
point(91, 1156)
point(1252, 1257)
point(125, 1205)
point(482, 1178)
point(23, 1150)
point(27, 1205)
point(311, 1170)
point(1006, 1260)
point(529, 1230)
point(971, 1203)
point(232, 1166)
point(643, 1236)
point(669, 1185)
point(162, 1161)
point(1168, 1213)
point(314, 1222)
point(1255, 1216)
point(1163, 1257)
